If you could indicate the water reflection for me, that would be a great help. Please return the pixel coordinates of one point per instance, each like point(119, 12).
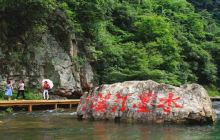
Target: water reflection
point(57, 125)
point(115, 131)
point(143, 133)
point(100, 131)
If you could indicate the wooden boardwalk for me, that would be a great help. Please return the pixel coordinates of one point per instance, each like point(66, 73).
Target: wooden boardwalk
point(31, 103)
point(215, 98)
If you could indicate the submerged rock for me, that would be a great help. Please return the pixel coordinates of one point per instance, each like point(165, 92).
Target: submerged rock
point(147, 101)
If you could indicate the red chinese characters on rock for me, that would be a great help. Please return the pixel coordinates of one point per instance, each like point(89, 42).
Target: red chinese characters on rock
point(166, 103)
point(88, 99)
point(117, 101)
point(99, 104)
point(145, 98)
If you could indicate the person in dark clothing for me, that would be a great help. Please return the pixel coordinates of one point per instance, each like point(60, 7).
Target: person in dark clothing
point(21, 89)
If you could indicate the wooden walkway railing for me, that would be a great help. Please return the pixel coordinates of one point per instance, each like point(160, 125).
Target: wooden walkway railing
point(215, 98)
point(31, 103)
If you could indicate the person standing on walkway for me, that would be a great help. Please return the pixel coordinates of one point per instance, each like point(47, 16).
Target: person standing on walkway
point(8, 90)
point(20, 89)
point(46, 87)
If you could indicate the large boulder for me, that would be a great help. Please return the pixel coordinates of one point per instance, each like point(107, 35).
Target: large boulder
point(147, 101)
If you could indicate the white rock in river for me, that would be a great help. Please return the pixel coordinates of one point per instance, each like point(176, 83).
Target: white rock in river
point(147, 101)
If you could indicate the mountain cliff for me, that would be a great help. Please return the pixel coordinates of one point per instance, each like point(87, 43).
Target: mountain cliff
point(77, 43)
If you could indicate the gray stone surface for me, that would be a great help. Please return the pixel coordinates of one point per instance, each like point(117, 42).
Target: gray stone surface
point(147, 101)
point(46, 60)
point(61, 63)
point(86, 77)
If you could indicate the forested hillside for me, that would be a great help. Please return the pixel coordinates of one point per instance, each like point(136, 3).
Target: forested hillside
point(171, 41)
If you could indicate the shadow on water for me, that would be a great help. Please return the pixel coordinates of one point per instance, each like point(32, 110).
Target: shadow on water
point(62, 124)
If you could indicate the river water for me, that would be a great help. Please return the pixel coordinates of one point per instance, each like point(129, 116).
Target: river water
point(63, 125)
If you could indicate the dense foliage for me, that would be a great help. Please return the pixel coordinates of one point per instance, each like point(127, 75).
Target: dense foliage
point(171, 41)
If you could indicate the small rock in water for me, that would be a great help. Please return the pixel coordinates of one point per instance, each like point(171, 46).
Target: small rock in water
point(50, 111)
point(73, 113)
point(14, 114)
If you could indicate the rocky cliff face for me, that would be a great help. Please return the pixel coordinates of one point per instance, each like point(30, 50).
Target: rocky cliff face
point(147, 101)
point(49, 60)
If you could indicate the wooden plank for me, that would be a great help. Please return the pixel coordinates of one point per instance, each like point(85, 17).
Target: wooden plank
point(70, 106)
point(215, 98)
point(38, 102)
point(30, 103)
point(41, 101)
point(55, 106)
point(30, 108)
point(5, 104)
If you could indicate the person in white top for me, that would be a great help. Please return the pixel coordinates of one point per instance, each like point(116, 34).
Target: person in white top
point(21, 89)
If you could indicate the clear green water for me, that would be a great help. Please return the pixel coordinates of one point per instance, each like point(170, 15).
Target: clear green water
point(64, 126)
